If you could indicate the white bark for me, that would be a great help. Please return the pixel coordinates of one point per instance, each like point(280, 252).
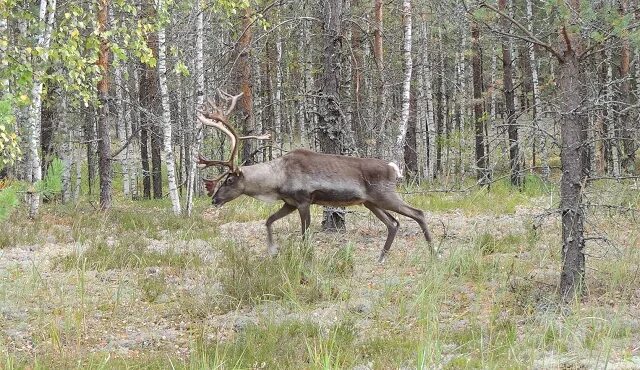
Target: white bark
point(429, 136)
point(493, 98)
point(121, 129)
point(197, 140)
point(537, 104)
point(277, 96)
point(166, 120)
point(46, 17)
point(462, 95)
point(132, 156)
point(406, 83)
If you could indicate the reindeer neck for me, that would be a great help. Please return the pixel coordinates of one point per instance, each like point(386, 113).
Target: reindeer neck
point(260, 178)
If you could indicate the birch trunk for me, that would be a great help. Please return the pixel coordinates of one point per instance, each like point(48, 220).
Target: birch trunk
point(379, 123)
point(131, 124)
point(430, 128)
point(166, 119)
point(122, 130)
point(537, 104)
point(197, 126)
point(277, 98)
point(493, 116)
point(479, 111)
point(34, 168)
point(406, 83)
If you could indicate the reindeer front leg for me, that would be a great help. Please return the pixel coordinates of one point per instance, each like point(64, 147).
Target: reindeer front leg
point(282, 212)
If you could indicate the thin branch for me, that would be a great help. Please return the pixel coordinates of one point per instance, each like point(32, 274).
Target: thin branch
point(126, 144)
point(531, 37)
point(567, 40)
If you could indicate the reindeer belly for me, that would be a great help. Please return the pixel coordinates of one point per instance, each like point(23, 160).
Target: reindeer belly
point(336, 197)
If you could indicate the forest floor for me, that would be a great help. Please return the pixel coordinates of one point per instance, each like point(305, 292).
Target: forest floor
point(139, 287)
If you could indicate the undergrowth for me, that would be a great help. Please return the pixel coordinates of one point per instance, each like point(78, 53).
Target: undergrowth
point(488, 302)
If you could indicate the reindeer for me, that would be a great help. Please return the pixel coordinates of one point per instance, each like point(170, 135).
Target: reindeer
point(302, 177)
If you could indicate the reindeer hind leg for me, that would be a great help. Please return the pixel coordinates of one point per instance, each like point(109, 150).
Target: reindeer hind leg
point(394, 203)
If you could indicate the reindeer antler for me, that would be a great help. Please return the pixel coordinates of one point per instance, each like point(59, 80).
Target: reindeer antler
point(216, 117)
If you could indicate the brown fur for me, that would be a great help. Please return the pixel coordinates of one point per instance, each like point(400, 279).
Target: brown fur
point(303, 177)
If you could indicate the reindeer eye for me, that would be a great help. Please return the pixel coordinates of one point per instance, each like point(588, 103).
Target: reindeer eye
point(230, 180)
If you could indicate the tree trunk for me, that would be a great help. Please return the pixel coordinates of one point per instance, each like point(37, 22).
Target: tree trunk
point(380, 119)
point(571, 85)
point(410, 143)
point(406, 84)
point(627, 127)
point(66, 153)
point(430, 129)
point(482, 174)
point(104, 143)
point(197, 126)
point(48, 121)
point(148, 98)
point(440, 105)
point(331, 124)
point(242, 82)
point(166, 119)
point(541, 136)
point(144, 156)
point(34, 169)
point(277, 94)
point(156, 159)
point(121, 130)
point(510, 105)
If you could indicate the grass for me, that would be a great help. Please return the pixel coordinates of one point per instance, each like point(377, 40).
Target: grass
point(293, 275)
point(489, 302)
point(101, 256)
point(284, 345)
point(500, 198)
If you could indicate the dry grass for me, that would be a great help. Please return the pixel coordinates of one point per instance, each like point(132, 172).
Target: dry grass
point(140, 288)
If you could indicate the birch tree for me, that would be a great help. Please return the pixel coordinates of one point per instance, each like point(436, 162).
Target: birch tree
point(166, 117)
point(46, 17)
point(541, 136)
point(406, 83)
point(478, 106)
point(197, 126)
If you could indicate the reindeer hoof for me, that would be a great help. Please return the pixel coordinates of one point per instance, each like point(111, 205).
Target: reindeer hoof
point(272, 251)
point(382, 258)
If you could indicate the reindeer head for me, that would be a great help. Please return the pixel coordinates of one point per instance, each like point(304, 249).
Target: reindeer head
point(233, 184)
point(231, 188)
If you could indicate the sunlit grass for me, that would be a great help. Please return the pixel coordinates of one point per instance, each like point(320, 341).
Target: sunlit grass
point(499, 198)
point(489, 302)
